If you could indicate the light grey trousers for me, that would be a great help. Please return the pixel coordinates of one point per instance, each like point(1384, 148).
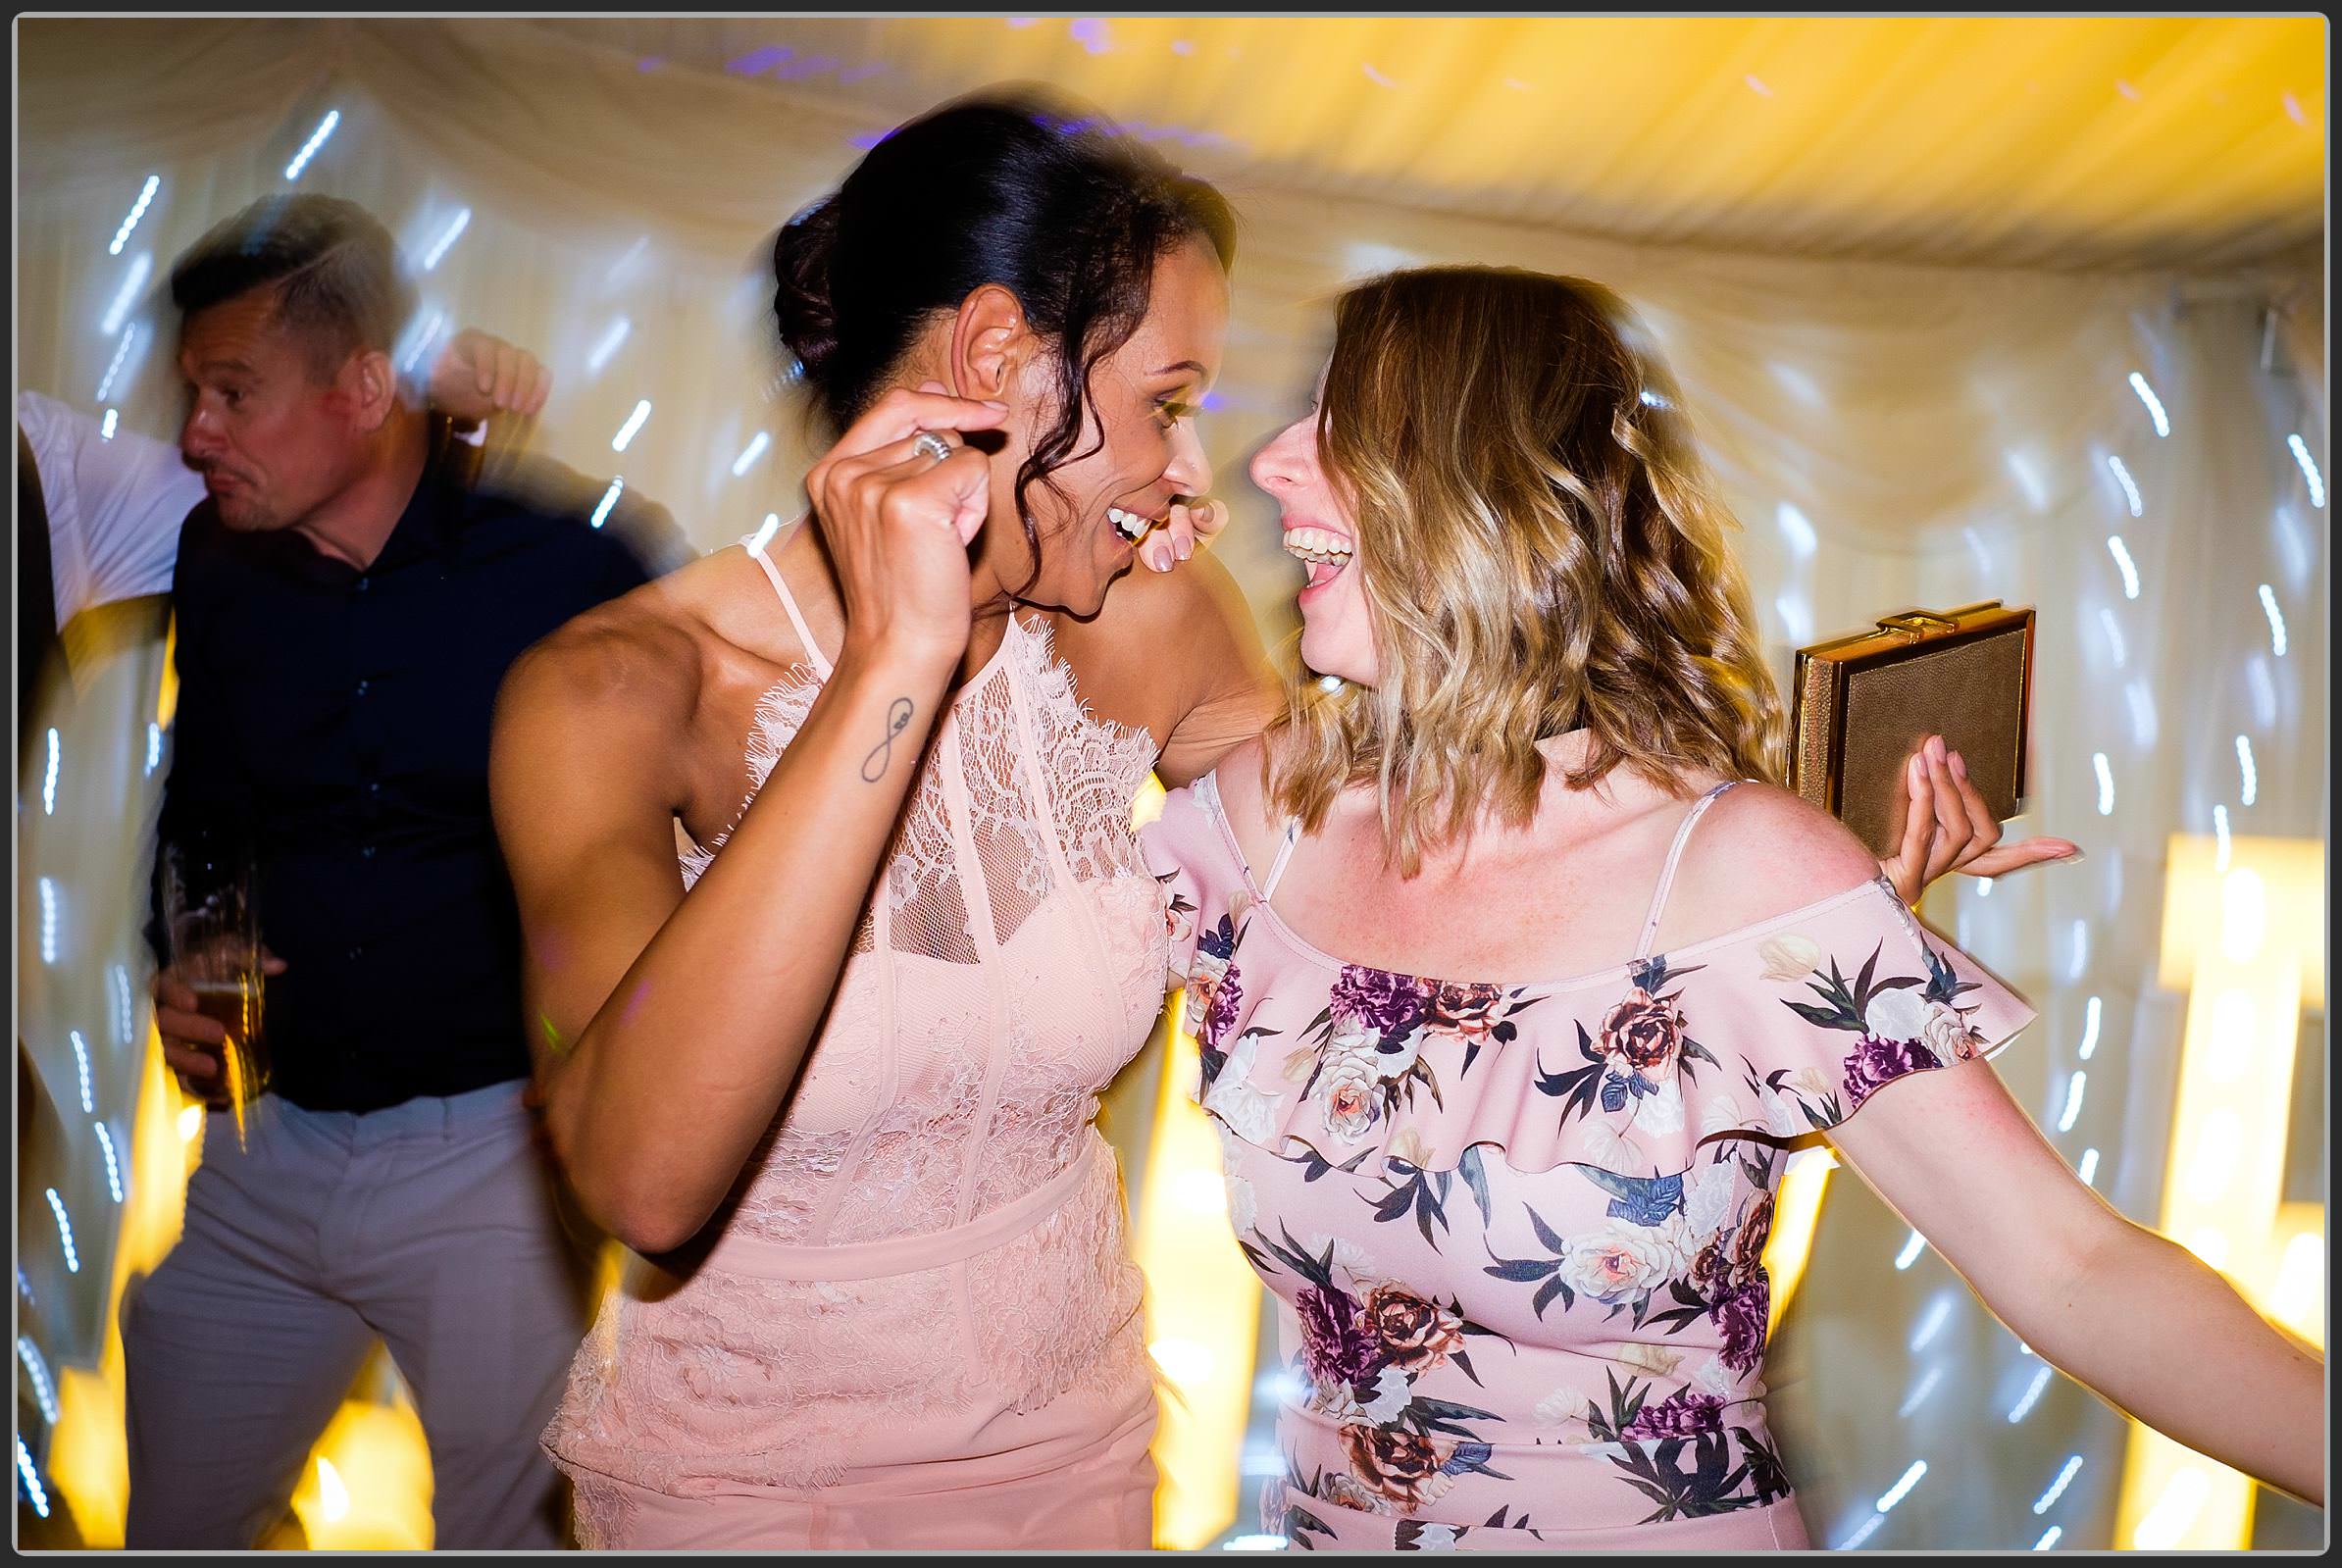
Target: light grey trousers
point(435, 1224)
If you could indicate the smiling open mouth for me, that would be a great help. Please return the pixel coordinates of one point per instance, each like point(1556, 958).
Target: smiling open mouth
point(1326, 552)
point(1130, 524)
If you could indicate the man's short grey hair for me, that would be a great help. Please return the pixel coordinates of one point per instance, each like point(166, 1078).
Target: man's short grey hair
point(341, 285)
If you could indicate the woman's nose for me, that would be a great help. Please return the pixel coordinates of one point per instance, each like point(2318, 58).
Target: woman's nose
point(1274, 467)
point(1191, 467)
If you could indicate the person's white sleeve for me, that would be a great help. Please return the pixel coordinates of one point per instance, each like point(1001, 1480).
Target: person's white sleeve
point(115, 504)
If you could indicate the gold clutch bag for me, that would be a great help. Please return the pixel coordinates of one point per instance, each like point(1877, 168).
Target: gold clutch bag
point(1862, 704)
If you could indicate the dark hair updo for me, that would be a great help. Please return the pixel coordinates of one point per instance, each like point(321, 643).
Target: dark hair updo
point(1010, 187)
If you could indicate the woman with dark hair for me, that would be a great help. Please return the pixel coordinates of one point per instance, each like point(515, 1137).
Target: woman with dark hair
point(1519, 1223)
point(836, 1084)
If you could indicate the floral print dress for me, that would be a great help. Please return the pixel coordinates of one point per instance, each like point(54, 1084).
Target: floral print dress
point(1517, 1229)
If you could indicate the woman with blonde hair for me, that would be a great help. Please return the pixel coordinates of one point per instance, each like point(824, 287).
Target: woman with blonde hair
point(1519, 1221)
point(830, 1065)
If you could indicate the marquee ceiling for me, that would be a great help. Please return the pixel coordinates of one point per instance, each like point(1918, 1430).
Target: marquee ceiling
point(2018, 141)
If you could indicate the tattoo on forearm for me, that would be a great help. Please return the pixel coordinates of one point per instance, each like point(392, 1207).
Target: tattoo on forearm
point(874, 766)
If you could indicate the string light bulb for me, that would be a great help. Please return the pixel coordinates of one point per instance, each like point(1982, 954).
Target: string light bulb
point(317, 139)
point(2154, 405)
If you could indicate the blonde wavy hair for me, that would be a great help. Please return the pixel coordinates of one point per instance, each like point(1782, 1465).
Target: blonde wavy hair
point(1539, 551)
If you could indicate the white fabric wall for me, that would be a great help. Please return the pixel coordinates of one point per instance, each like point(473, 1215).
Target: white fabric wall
point(1890, 436)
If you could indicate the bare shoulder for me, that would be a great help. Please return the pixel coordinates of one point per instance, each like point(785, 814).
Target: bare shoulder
point(1194, 611)
point(1176, 653)
point(1244, 801)
point(1146, 603)
point(1243, 796)
point(627, 654)
point(1762, 851)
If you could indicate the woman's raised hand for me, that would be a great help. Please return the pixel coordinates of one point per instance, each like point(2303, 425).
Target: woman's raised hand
point(1193, 524)
point(1948, 828)
point(899, 518)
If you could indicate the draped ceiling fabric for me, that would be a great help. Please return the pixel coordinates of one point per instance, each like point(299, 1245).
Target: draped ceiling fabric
point(1905, 269)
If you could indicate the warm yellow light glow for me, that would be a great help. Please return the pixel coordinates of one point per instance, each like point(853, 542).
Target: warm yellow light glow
point(333, 1497)
point(368, 1487)
point(233, 1072)
point(1203, 1192)
point(2244, 915)
point(1203, 1310)
point(2235, 1023)
point(1955, 132)
point(167, 694)
point(2211, 1164)
point(2297, 1297)
point(2292, 874)
point(88, 1459)
point(1202, 1298)
point(1149, 804)
point(1185, 1362)
point(2211, 1245)
point(1797, 1213)
point(2248, 943)
point(609, 1270)
point(2177, 1505)
point(375, 1456)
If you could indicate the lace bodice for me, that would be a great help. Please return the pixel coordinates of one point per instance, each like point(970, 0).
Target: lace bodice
point(930, 1236)
point(937, 1090)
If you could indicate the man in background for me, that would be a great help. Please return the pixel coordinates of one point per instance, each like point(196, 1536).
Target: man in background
point(348, 597)
point(98, 512)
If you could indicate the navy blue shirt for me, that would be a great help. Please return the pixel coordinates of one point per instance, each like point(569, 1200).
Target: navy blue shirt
point(335, 721)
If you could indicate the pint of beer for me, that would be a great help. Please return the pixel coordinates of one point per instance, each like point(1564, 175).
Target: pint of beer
point(233, 1001)
point(216, 948)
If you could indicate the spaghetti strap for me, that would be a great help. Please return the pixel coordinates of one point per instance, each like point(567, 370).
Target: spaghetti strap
point(753, 543)
point(1683, 836)
point(1207, 792)
point(1292, 835)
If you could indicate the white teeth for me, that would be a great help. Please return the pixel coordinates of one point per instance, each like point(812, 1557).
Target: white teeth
point(1129, 525)
point(1318, 544)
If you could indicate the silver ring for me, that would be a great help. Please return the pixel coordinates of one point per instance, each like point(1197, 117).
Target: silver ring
point(934, 445)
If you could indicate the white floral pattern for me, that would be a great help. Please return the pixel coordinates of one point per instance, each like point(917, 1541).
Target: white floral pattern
point(1620, 1259)
point(1788, 957)
point(1896, 1015)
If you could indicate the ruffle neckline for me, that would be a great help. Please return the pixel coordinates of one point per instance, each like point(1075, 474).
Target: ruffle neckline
point(1440, 1077)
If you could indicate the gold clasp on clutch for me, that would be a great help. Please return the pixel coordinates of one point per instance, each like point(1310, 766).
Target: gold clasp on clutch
point(1916, 624)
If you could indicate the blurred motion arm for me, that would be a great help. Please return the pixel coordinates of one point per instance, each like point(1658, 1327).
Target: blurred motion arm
point(207, 797)
point(115, 504)
point(488, 387)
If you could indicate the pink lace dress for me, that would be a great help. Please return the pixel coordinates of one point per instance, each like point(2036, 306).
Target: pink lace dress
point(919, 1325)
point(1517, 1229)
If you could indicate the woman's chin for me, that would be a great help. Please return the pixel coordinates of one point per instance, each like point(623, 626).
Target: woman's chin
point(1081, 601)
point(1325, 656)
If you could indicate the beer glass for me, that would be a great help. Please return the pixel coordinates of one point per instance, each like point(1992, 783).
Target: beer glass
point(212, 918)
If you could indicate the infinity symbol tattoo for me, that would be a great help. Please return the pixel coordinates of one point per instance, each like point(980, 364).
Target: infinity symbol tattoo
point(874, 766)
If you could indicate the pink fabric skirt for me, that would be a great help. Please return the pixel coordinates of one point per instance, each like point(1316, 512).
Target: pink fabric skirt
point(982, 1388)
point(1094, 1498)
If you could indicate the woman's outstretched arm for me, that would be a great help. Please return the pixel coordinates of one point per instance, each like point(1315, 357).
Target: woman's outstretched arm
point(2137, 1319)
